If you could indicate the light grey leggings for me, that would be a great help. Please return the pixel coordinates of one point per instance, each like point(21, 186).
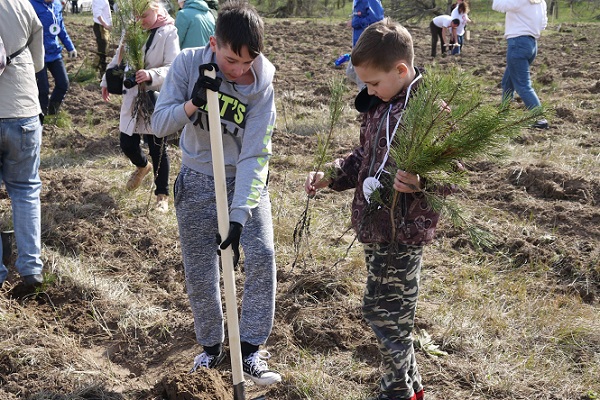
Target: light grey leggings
point(197, 220)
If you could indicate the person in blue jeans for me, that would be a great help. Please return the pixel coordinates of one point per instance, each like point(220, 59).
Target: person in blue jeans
point(525, 21)
point(50, 14)
point(21, 135)
point(460, 11)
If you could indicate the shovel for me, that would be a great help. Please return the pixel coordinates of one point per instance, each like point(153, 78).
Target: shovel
point(233, 329)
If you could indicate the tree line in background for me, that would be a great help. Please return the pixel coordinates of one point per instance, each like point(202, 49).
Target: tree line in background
point(411, 10)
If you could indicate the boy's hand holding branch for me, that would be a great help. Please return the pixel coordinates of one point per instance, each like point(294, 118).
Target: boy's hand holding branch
point(404, 182)
point(315, 181)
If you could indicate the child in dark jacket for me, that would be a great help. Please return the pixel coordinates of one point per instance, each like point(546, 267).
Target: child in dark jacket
point(383, 59)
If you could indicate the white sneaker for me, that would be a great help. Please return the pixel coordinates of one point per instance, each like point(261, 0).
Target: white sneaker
point(162, 203)
point(205, 360)
point(256, 368)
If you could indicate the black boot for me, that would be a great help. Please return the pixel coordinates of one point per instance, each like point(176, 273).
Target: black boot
point(53, 108)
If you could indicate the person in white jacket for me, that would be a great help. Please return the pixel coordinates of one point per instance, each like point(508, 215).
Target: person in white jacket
point(102, 28)
point(525, 21)
point(460, 11)
point(160, 50)
point(21, 140)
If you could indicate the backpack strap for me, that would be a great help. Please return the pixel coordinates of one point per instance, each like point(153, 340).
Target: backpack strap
point(150, 39)
point(16, 53)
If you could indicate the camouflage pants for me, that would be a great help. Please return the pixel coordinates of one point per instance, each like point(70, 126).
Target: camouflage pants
point(102, 38)
point(389, 306)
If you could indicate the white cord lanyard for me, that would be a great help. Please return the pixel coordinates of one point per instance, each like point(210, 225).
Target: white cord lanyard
point(372, 183)
point(54, 28)
point(390, 138)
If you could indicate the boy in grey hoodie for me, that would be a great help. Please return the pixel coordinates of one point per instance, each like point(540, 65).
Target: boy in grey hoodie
point(247, 104)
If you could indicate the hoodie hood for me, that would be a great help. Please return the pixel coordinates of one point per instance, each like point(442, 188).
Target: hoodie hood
point(262, 69)
point(199, 5)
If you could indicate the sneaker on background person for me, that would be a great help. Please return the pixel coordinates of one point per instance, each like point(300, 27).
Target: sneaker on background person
point(162, 203)
point(256, 368)
point(32, 281)
point(541, 124)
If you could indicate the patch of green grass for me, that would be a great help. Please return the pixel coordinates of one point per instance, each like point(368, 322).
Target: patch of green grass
point(85, 73)
point(60, 120)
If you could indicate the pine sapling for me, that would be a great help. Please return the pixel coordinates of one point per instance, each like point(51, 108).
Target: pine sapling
point(128, 16)
point(447, 123)
point(337, 89)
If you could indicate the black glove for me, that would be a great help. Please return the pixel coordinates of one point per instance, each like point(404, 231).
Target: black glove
point(233, 239)
point(203, 83)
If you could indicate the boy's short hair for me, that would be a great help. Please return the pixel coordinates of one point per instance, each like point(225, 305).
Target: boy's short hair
point(238, 24)
point(382, 45)
point(456, 21)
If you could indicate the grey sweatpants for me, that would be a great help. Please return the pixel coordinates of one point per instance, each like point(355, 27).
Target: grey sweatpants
point(197, 219)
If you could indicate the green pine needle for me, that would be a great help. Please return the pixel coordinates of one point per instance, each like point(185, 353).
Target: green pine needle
point(128, 15)
point(447, 123)
point(337, 90)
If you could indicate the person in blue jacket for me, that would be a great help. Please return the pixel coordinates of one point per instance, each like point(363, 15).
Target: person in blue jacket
point(49, 13)
point(364, 13)
point(195, 24)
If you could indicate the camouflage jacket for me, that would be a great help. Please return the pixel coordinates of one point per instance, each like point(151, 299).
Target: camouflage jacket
point(414, 218)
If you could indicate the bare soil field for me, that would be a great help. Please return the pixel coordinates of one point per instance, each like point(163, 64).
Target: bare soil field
point(72, 341)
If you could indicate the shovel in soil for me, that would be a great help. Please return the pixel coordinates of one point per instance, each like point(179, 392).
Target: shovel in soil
point(216, 146)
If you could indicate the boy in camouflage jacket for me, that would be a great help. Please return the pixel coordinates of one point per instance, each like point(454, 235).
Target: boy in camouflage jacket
point(383, 59)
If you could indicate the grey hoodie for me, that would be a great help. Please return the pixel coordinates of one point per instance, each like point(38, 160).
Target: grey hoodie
point(247, 121)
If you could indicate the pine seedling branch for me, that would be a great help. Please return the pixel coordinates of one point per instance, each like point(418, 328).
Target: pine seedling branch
point(128, 16)
point(337, 89)
point(129, 13)
point(445, 125)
